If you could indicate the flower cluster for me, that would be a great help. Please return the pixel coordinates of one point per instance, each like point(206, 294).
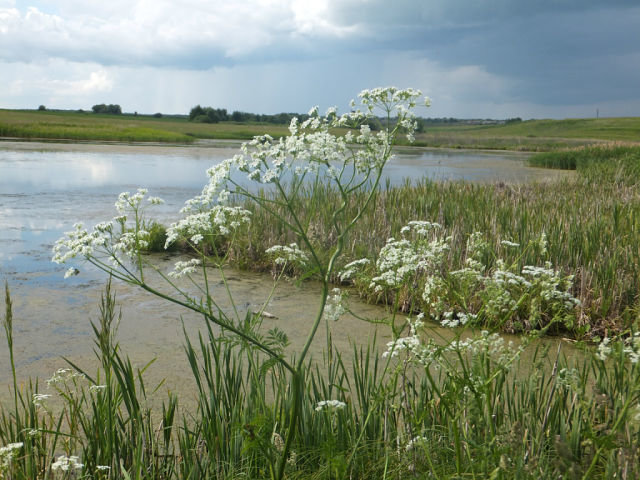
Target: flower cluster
point(412, 345)
point(416, 442)
point(78, 243)
point(401, 259)
point(516, 299)
point(7, 453)
point(311, 148)
point(630, 347)
point(64, 375)
point(103, 242)
point(330, 405)
point(452, 320)
point(350, 269)
point(334, 308)
point(219, 220)
point(185, 268)
point(38, 399)
point(284, 254)
point(490, 344)
point(65, 464)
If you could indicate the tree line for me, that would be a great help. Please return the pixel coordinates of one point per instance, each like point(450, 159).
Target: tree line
point(110, 109)
point(214, 115)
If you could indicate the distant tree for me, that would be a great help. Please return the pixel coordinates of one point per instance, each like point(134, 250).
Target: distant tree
point(237, 116)
point(42, 108)
point(195, 112)
point(208, 114)
point(157, 115)
point(109, 109)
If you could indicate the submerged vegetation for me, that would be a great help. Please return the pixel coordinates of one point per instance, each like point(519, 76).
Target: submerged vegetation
point(523, 258)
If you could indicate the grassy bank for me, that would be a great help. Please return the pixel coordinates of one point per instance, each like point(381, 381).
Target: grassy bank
point(532, 135)
point(122, 128)
point(589, 160)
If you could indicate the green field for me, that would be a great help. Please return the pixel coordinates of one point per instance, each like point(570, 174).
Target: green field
point(53, 125)
point(531, 135)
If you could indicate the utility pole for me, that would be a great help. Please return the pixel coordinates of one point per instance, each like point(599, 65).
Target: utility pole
point(597, 113)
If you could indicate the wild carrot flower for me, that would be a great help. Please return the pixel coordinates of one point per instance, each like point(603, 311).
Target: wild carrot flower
point(7, 453)
point(185, 268)
point(63, 375)
point(287, 254)
point(330, 405)
point(39, 399)
point(604, 349)
point(64, 463)
point(350, 269)
point(334, 308)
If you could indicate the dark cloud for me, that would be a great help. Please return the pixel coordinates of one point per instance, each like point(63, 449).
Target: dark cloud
point(548, 53)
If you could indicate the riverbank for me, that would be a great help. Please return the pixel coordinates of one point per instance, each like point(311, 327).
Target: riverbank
point(530, 135)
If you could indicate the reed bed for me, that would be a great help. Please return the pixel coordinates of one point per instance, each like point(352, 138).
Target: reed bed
point(590, 223)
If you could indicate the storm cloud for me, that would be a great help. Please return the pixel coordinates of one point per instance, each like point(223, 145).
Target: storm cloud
point(475, 58)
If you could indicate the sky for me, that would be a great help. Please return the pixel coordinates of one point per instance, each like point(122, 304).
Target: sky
point(474, 58)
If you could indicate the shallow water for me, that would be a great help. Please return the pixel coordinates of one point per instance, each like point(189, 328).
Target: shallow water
point(46, 188)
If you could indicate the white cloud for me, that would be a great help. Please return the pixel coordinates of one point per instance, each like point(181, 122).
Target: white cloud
point(98, 81)
point(56, 83)
point(314, 18)
point(161, 32)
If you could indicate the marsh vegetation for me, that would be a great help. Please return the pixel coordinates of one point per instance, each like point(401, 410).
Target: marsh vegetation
point(534, 259)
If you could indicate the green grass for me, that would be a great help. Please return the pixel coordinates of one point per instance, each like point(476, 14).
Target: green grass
point(583, 158)
point(472, 409)
point(531, 135)
point(37, 125)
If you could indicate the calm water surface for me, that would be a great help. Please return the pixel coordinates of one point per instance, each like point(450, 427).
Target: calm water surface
point(46, 188)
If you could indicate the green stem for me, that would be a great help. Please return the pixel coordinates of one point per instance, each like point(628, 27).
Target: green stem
point(228, 326)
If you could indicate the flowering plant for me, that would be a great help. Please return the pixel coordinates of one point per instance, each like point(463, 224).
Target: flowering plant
point(312, 155)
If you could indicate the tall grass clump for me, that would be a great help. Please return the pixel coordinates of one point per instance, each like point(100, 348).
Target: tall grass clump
point(582, 158)
point(79, 130)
